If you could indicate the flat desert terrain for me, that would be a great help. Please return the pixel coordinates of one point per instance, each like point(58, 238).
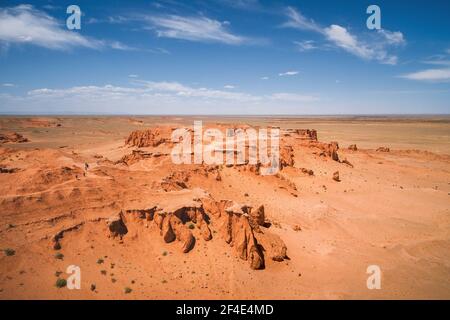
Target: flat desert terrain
point(103, 194)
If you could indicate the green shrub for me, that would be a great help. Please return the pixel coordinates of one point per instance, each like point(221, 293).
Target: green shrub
point(127, 290)
point(100, 261)
point(59, 256)
point(9, 252)
point(61, 283)
point(191, 226)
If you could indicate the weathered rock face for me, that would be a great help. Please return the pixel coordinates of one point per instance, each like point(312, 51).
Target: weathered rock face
point(307, 134)
point(116, 226)
point(175, 181)
point(256, 217)
point(12, 137)
point(383, 149)
point(148, 138)
point(330, 150)
point(236, 230)
point(133, 157)
point(172, 221)
point(304, 134)
point(237, 224)
point(286, 157)
point(274, 247)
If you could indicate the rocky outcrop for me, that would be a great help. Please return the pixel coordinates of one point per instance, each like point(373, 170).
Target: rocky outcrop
point(274, 248)
point(330, 150)
point(256, 217)
point(303, 134)
point(8, 170)
point(148, 138)
point(134, 156)
point(336, 176)
point(307, 134)
point(345, 161)
point(116, 226)
point(236, 229)
point(383, 149)
point(175, 181)
point(179, 218)
point(12, 137)
point(238, 233)
point(307, 171)
point(353, 147)
point(286, 157)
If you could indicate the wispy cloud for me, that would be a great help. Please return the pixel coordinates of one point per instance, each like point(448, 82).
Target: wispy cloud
point(438, 62)
point(432, 75)
point(8, 85)
point(342, 38)
point(201, 29)
point(305, 45)
point(173, 89)
point(392, 37)
point(229, 86)
point(299, 21)
point(153, 97)
point(438, 74)
point(24, 24)
point(288, 73)
point(242, 4)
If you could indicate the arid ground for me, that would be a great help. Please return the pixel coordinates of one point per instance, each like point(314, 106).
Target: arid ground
point(103, 193)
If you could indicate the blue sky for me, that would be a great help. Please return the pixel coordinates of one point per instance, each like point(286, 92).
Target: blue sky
point(225, 57)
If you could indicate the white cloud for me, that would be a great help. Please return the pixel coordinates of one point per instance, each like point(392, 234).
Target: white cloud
point(340, 37)
point(119, 46)
point(133, 76)
point(200, 29)
point(8, 85)
point(438, 62)
point(153, 97)
point(24, 24)
point(343, 39)
point(288, 73)
point(433, 75)
point(305, 45)
point(393, 37)
point(229, 86)
point(298, 21)
point(264, 78)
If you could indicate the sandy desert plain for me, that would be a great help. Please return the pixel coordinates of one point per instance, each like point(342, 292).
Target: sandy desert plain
point(102, 193)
